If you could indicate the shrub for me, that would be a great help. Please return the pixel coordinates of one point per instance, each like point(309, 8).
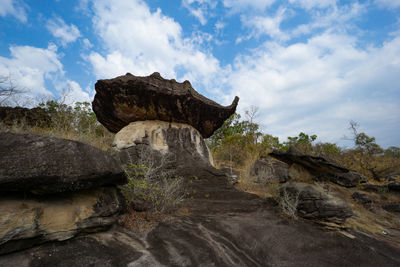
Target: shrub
point(151, 187)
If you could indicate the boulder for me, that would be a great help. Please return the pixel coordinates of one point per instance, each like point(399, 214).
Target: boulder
point(361, 198)
point(269, 170)
point(176, 143)
point(43, 165)
point(26, 220)
point(319, 168)
point(130, 98)
point(311, 202)
point(30, 117)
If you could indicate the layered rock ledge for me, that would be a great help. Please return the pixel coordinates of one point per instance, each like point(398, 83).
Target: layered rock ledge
point(317, 168)
point(53, 189)
point(48, 165)
point(130, 98)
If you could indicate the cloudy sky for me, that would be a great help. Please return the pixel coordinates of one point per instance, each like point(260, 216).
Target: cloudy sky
point(308, 65)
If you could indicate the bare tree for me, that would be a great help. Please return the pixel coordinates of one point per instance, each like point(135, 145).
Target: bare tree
point(252, 113)
point(8, 89)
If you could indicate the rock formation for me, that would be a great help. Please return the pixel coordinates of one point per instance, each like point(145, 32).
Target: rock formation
point(269, 170)
point(41, 165)
point(75, 183)
point(311, 202)
point(217, 225)
point(130, 98)
point(176, 142)
point(318, 168)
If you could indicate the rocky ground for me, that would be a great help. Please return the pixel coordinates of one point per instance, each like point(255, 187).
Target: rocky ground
point(231, 229)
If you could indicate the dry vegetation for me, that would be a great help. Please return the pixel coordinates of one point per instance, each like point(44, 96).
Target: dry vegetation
point(75, 123)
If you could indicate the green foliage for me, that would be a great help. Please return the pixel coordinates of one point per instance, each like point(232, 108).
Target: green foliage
point(151, 188)
point(79, 119)
point(302, 142)
point(327, 149)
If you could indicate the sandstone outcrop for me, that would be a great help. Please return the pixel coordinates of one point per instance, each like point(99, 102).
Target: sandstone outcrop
point(43, 165)
point(311, 202)
point(130, 98)
point(54, 189)
point(19, 115)
point(26, 221)
point(269, 170)
point(317, 168)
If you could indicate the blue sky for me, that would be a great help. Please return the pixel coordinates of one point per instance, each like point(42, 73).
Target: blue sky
point(309, 66)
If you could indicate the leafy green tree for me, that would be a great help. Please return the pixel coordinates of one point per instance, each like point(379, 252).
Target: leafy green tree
point(302, 142)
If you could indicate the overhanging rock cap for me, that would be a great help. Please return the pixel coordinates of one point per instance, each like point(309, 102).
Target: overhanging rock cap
point(128, 98)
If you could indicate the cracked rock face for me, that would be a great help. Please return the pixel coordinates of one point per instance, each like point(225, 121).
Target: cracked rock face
point(130, 98)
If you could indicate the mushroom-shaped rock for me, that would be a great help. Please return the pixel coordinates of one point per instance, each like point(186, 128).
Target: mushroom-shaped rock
point(130, 98)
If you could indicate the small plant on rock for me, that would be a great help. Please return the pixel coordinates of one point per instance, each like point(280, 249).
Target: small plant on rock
point(151, 187)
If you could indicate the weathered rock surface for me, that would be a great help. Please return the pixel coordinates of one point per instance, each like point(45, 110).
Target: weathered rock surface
point(319, 168)
point(225, 228)
point(42, 165)
point(390, 187)
point(393, 207)
point(311, 202)
point(18, 115)
point(269, 170)
point(130, 98)
point(253, 238)
point(30, 220)
point(361, 198)
point(175, 141)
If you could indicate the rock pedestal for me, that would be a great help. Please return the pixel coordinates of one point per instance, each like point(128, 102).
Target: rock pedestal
point(175, 142)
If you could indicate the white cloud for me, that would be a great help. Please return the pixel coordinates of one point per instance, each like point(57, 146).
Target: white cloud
point(335, 18)
point(388, 3)
point(199, 8)
point(310, 4)
point(59, 29)
point(87, 44)
point(240, 5)
point(30, 68)
point(14, 8)
point(266, 25)
point(318, 86)
point(141, 42)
